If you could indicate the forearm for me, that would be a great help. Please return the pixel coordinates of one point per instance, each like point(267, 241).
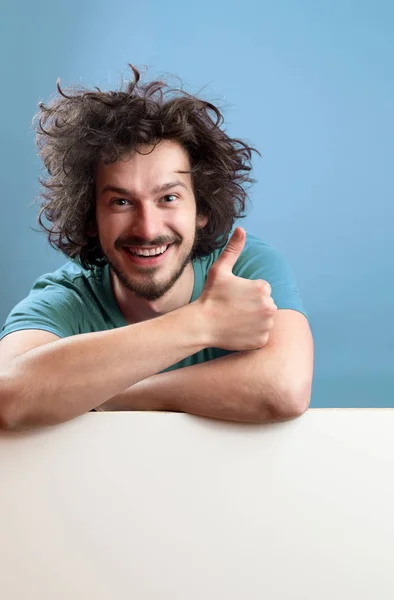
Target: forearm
point(68, 377)
point(236, 387)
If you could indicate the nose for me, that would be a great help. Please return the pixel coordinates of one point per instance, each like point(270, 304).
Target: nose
point(147, 222)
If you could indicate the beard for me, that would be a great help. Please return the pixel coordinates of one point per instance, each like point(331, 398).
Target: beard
point(149, 289)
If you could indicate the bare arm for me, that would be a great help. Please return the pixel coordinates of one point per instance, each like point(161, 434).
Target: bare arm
point(223, 388)
point(65, 378)
point(260, 386)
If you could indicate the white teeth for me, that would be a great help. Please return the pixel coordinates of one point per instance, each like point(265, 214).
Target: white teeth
point(148, 251)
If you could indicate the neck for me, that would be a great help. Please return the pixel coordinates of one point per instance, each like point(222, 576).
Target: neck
point(135, 309)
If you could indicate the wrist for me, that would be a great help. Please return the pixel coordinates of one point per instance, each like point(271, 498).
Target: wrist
point(201, 319)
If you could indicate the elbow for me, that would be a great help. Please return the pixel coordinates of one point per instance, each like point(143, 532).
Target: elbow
point(11, 417)
point(8, 421)
point(296, 402)
point(288, 405)
point(6, 424)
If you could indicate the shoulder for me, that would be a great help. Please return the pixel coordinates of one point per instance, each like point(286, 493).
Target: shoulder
point(69, 277)
point(71, 284)
point(257, 258)
point(55, 303)
point(260, 260)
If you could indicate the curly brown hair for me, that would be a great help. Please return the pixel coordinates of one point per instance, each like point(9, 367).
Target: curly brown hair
point(78, 128)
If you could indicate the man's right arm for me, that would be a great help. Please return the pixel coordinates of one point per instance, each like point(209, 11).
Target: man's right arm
point(62, 379)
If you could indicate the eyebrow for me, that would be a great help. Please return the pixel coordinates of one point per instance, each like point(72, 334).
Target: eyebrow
point(159, 188)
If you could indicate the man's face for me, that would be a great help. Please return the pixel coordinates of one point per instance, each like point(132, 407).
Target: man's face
point(143, 205)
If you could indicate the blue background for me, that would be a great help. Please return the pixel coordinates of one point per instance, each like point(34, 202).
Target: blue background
point(309, 83)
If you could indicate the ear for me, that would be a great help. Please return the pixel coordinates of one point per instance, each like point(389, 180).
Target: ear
point(202, 220)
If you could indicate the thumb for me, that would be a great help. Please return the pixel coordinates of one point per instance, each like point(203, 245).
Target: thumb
point(232, 251)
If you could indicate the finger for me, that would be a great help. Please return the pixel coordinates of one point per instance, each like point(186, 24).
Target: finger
point(232, 251)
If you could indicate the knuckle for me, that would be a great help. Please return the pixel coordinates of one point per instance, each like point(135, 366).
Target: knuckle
point(267, 306)
point(265, 287)
point(260, 285)
point(270, 323)
point(263, 339)
point(214, 269)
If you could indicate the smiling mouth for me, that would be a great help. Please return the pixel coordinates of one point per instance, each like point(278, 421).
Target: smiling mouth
point(142, 253)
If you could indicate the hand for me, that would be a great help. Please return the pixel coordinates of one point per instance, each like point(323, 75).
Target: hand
point(239, 312)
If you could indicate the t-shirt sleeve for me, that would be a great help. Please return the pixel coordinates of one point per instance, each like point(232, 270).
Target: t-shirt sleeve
point(263, 261)
point(49, 306)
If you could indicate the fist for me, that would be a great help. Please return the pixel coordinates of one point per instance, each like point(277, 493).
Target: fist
point(239, 312)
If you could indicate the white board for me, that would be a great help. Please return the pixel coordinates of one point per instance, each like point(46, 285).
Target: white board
point(171, 506)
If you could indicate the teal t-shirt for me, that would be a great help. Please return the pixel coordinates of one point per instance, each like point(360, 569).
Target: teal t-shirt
point(74, 300)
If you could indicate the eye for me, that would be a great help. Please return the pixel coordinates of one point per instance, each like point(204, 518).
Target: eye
point(118, 200)
point(172, 197)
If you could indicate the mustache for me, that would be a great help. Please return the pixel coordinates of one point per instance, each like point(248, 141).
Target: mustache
point(138, 241)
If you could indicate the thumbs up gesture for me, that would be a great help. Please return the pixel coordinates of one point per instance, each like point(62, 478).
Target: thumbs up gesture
point(239, 312)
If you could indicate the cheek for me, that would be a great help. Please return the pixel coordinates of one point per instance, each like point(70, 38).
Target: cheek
point(112, 226)
point(183, 223)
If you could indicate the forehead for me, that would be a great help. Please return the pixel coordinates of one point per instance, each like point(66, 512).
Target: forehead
point(153, 164)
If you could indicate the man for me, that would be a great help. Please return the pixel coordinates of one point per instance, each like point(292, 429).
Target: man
point(157, 309)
